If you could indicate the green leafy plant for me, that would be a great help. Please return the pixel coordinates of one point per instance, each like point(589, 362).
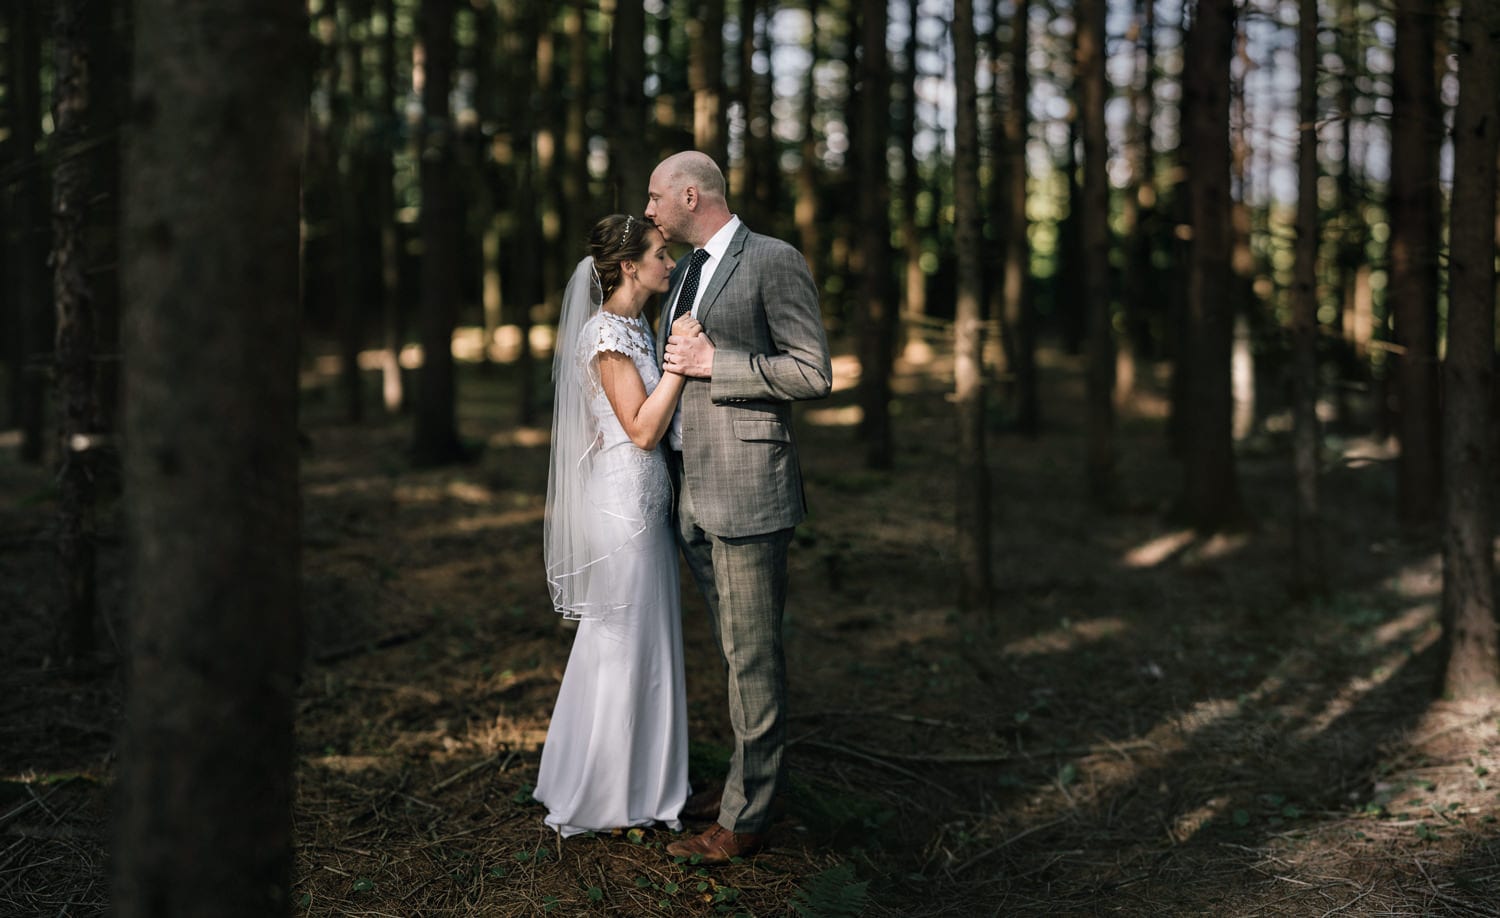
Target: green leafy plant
point(834, 893)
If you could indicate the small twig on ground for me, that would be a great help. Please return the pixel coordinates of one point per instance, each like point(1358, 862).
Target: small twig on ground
point(893, 715)
point(1008, 842)
point(875, 759)
point(38, 800)
point(1362, 893)
point(463, 773)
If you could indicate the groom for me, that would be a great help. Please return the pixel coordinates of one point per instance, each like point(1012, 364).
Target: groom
point(739, 483)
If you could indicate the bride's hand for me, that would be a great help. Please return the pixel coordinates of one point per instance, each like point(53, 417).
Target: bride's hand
point(687, 326)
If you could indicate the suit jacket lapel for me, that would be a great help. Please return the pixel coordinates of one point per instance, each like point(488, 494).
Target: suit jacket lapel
point(726, 267)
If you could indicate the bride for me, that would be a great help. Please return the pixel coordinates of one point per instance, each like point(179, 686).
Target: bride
point(616, 750)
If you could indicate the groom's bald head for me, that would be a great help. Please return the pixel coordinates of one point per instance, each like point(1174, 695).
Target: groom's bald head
point(687, 198)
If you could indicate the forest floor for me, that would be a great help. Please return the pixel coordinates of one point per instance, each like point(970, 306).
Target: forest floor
point(1145, 725)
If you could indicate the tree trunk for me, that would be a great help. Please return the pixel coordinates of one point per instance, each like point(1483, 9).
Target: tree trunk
point(33, 305)
point(435, 434)
point(878, 312)
point(109, 68)
point(392, 324)
point(1020, 309)
point(1309, 577)
point(973, 536)
point(1354, 322)
point(1211, 497)
point(1067, 297)
point(706, 71)
point(1416, 131)
point(526, 273)
point(1469, 628)
point(1139, 207)
point(205, 777)
point(77, 401)
point(630, 146)
point(914, 288)
point(344, 134)
point(577, 199)
point(1092, 89)
point(806, 209)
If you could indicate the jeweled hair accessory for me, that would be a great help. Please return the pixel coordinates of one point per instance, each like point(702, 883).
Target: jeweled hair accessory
point(629, 219)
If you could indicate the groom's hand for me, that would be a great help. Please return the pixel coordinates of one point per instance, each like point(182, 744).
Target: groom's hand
point(689, 354)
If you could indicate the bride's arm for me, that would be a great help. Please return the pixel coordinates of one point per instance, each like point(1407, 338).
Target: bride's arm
point(645, 418)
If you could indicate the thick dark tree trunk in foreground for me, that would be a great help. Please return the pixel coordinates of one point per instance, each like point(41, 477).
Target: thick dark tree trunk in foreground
point(77, 401)
point(435, 437)
point(204, 791)
point(1211, 497)
point(973, 538)
point(1473, 664)
point(1306, 433)
point(1416, 127)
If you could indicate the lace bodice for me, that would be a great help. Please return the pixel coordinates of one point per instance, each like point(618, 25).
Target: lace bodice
point(609, 331)
point(627, 480)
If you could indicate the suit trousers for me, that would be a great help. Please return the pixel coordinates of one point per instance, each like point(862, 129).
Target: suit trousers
point(744, 582)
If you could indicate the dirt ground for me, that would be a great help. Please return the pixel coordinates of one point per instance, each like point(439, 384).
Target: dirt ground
point(1145, 724)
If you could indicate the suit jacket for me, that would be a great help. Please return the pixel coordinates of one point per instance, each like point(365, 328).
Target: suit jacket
point(738, 455)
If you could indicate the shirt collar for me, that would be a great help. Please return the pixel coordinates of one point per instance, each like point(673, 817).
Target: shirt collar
point(718, 243)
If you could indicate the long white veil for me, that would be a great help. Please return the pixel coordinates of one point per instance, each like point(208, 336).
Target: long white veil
point(576, 535)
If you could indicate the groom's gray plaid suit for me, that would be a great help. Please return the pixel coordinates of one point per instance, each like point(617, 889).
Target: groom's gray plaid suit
point(740, 488)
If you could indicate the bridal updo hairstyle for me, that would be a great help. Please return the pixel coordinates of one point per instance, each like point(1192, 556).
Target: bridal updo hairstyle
point(616, 239)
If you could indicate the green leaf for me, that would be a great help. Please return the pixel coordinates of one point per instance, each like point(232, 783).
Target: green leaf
point(596, 894)
point(550, 903)
point(523, 856)
point(642, 882)
point(1290, 811)
point(1067, 774)
point(636, 836)
point(364, 884)
point(670, 888)
point(499, 872)
point(1241, 818)
point(834, 893)
point(1426, 832)
point(305, 900)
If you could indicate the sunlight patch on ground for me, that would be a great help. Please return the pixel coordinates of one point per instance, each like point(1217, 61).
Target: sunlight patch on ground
point(1409, 623)
point(349, 764)
point(1221, 546)
point(1069, 637)
point(436, 492)
point(1422, 580)
point(847, 416)
point(1158, 549)
point(480, 522)
point(522, 436)
point(469, 346)
point(1186, 825)
point(1407, 636)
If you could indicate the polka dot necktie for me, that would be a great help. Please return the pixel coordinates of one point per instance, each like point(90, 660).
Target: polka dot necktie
point(690, 284)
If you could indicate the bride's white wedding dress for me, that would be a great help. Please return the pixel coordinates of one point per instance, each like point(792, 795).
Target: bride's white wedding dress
point(616, 750)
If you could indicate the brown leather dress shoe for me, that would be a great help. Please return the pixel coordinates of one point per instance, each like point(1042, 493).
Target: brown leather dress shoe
point(704, 805)
point(718, 845)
